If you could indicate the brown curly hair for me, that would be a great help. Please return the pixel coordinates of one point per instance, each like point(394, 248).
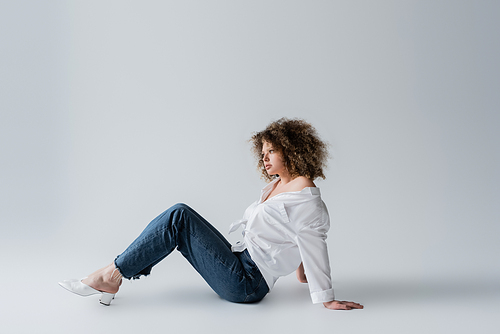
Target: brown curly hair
point(303, 152)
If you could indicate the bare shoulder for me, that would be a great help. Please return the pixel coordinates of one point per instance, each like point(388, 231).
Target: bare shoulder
point(300, 183)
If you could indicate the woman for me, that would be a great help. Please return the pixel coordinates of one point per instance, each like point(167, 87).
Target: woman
point(284, 231)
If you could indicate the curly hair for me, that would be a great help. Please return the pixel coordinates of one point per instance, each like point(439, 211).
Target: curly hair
point(303, 152)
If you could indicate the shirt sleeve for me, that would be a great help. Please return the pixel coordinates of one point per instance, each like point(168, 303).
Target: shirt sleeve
point(311, 240)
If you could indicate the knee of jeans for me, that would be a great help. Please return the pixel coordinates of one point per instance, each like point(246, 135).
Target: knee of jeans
point(180, 207)
point(179, 210)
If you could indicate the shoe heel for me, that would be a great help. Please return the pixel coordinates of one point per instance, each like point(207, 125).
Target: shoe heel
point(106, 298)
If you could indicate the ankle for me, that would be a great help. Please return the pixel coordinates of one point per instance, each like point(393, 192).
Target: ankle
point(112, 275)
point(116, 276)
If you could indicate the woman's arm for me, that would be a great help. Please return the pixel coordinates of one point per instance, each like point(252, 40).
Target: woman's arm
point(301, 276)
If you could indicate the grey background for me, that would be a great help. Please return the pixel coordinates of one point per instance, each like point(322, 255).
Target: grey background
point(111, 111)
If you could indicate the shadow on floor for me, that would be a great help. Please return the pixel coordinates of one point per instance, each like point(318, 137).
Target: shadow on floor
point(439, 290)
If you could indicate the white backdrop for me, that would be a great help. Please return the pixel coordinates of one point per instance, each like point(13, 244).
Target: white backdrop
point(111, 111)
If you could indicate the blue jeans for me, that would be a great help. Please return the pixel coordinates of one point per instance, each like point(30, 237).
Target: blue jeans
point(233, 276)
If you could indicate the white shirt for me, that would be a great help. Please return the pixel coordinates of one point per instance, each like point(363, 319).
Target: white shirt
point(285, 230)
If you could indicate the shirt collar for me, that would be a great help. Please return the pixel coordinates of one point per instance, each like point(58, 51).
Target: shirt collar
point(306, 192)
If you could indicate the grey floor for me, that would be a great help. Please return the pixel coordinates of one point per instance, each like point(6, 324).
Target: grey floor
point(175, 299)
point(111, 111)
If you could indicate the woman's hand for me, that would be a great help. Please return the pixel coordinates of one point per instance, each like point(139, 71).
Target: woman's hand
point(342, 305)
point(301, 276)
point(334, 304)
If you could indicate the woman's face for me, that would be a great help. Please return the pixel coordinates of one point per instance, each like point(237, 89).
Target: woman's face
point(273, 160)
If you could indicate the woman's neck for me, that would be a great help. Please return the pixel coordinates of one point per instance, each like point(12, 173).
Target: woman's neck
point(285, 178)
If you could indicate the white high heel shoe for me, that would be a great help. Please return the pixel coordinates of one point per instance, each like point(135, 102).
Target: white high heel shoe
point(82, 289)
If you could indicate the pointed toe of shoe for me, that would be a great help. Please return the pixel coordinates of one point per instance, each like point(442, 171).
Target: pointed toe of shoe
point(67, 284)
point(76, 286)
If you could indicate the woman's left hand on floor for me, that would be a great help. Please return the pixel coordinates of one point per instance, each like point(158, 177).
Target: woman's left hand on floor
point(342, 305)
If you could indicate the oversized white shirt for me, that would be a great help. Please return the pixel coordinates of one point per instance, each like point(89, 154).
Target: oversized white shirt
point(285, 230)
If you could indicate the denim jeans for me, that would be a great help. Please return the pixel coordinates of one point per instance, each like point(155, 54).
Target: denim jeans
point(233, 276)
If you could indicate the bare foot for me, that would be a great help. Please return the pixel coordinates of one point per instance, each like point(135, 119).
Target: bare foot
point(107, 279)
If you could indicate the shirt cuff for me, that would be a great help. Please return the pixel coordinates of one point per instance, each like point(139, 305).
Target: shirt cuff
point(322, 296)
